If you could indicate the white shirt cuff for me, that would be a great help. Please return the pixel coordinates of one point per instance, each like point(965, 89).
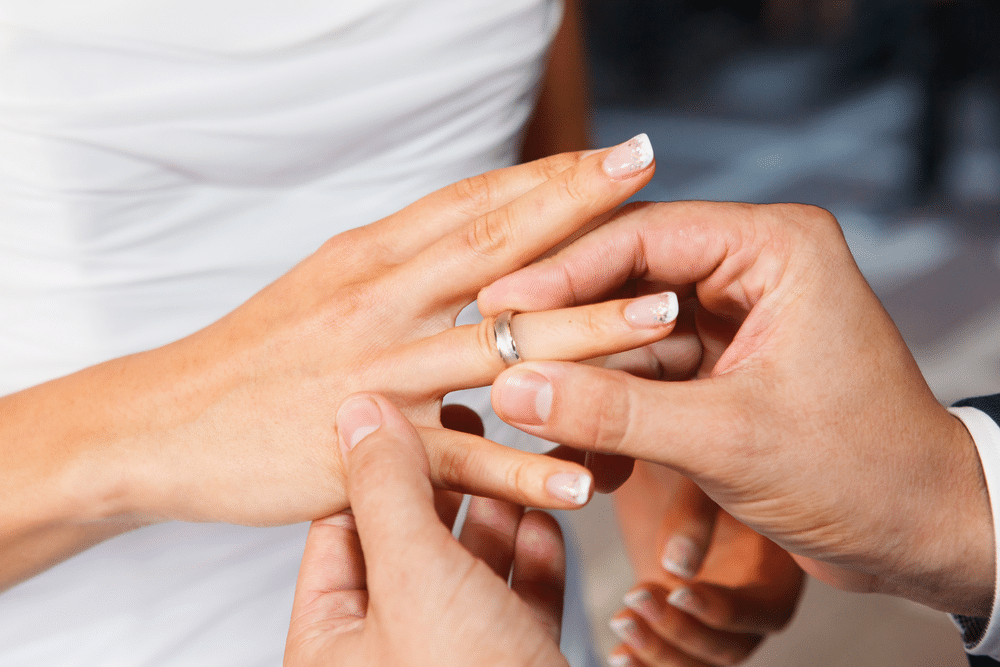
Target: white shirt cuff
point(986, 434)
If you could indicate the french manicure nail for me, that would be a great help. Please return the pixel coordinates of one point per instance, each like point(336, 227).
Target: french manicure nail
point(641, 602)
point(685, 600)
point(569, 486)
point(357, 418)
point(652, 311)
point(525, 397)
point(681, 557)
point(626, 630)
point(629, 158)
point(620, 660)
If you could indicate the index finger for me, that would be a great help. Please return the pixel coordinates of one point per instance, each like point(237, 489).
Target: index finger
point(674, 242)
point(473, 255)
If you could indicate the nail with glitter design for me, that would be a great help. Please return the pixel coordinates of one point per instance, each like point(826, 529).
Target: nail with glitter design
point(626, 630)
point(629, 158)
point(569, 486)
point(655, 310)
point(620, 660)
point(643, 603)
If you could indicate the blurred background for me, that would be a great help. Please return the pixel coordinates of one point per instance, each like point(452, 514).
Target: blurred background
point(885, 112)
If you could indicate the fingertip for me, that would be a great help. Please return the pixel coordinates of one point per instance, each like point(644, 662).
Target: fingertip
point(688, 601)
point(629, 159)
point(574, 487)
point(540, 535)
point(654, 311)
point(682, 556)
point(385, 455)
point(358, 417)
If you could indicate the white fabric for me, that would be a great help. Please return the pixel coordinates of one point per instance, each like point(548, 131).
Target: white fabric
point(161, 161)
point(986, 434)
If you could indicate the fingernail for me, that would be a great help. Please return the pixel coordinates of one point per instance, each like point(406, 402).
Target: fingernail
point(685, 600)
point(626, 630)
point(357, 417)
point(652, 311)
point(525, 397)
point(620, 660)
point(629, 158)
point(569, 486)
point(642, 602)
point(681, 557)
point(343, 519)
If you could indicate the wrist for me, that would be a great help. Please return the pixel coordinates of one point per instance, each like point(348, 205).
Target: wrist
point(953, 562)
point(64, 463)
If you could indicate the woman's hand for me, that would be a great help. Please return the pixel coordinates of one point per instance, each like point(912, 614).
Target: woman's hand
point(810, 422)
point(709, 588)
point(389, 585)
point(234, 423)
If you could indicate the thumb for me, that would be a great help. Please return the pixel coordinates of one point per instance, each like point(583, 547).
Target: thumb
point(390, 493)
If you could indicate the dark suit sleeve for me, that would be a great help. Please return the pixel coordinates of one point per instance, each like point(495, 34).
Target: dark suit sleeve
point(988, 404)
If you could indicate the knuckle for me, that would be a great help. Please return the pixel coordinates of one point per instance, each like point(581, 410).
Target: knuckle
point(489, 234)
point(452, 466)
point(573, 189)
point(517, 480)
point(612, 416)
point(550, 167)
point(476, 194)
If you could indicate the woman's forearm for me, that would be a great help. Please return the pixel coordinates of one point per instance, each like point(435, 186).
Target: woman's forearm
point(65, 480)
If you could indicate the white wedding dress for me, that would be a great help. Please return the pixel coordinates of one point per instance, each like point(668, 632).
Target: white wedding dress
point(161, 161)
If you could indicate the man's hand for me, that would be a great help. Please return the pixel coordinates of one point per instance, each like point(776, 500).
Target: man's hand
point(389, 585)
point(809, 420)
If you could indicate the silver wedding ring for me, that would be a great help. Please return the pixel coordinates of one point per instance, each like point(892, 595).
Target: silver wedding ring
point(505, 339)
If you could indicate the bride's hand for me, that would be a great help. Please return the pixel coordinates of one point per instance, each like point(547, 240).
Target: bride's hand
point(236, 423)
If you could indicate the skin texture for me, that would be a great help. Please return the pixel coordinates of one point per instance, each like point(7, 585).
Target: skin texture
point(808, 420)
point(389, 585)
point(231, 423)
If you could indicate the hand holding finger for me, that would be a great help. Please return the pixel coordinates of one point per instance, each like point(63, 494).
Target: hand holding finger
point(425, 591)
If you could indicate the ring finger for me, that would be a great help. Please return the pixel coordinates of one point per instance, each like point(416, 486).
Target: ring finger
point(568, 334)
